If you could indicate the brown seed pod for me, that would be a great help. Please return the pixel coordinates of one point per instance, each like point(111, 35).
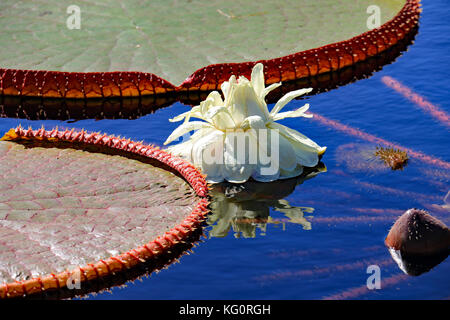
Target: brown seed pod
point(394, 158)
point(417, 233)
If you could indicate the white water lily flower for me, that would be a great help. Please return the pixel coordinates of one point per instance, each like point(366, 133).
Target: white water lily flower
point(238, 137)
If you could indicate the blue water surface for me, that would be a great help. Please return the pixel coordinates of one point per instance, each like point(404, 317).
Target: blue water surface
point(284, 261)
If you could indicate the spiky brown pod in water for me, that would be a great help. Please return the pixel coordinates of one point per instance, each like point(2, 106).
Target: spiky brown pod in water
point(394, 158)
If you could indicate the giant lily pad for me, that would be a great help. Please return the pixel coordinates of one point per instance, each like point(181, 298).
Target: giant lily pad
point(294, 39)
point(33, 108)
point(88, 203)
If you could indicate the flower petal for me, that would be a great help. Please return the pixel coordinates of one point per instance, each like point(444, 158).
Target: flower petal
point(221, 118)
point(267, 169)
point(288, 159)
point(238, 106)
point(298, 170)
point(306, 150)
point(182, 150)
point(305, 156)
point(254, 122)
point(193, 113)
point(266, 90)
point(237, 168)
point(295, 135)
point(216, 98)
point(274, 153)
point(257, 79)
point(258, 175)
point(185, 128)
point(207, 154)
point(246, 103)
point(227, 88)
point(300, 112)
point(287, 98)
point(212, 112)
point(213, 100)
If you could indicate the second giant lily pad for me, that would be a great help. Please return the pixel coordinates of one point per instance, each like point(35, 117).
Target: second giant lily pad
point(90, 204)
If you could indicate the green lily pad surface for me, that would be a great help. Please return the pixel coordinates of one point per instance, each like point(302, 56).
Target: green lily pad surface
point(65, 207)
point(172, 39)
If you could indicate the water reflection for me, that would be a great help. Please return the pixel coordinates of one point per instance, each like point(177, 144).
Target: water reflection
point(446, 204)
point(416, 265)
point(34, 108)
point(359, 157)
point(245, 208)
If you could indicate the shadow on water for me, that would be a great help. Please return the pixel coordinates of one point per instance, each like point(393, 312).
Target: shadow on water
point(245, 207)
point(36, 108)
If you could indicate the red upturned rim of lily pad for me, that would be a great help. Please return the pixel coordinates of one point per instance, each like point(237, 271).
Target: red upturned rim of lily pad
point(133, 257)
point(304, 64)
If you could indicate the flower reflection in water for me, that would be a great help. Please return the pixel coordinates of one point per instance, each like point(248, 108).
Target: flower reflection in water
point(245, 207)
